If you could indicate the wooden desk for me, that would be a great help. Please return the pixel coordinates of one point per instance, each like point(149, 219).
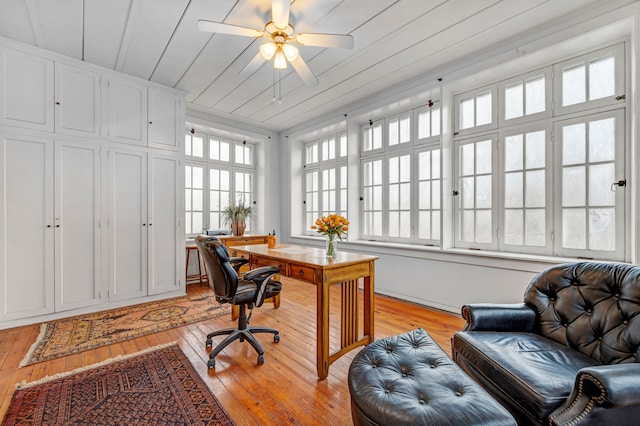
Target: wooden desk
point(311, 265)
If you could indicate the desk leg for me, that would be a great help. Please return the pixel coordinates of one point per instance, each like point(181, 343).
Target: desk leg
point(369, 308)
point(322, 342)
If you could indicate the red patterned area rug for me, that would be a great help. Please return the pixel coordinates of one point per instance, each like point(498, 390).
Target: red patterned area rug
point(158, 386)
point(75, 334)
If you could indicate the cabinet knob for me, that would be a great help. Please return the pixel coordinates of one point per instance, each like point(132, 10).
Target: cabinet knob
point(48, 226)
point(151, 122)
point(300, 273)
point(57, 226)
point(150, 224)
point(57, 103)
point(144, 224)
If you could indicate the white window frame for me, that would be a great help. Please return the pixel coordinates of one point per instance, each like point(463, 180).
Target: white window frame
point(232, 166)
point(523, 78)
point(474, 94)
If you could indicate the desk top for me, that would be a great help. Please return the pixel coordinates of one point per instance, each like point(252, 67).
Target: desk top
point(305, 255)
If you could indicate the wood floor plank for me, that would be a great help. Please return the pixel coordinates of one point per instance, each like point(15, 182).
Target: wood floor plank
point(285, 390)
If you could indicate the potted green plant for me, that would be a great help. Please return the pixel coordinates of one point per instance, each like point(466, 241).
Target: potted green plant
point(237, 215)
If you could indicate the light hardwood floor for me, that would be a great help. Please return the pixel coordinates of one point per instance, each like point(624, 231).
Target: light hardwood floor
point(283, 391)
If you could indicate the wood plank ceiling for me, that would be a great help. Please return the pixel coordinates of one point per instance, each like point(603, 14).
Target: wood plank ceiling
point(158, 40)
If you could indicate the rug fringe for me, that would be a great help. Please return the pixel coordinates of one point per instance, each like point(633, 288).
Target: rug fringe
point(27, 357)
point(24, 384)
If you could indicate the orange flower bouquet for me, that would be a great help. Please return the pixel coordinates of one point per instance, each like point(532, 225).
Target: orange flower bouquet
point(331, 226)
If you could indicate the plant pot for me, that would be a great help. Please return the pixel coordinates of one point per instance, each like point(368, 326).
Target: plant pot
point(237, 228)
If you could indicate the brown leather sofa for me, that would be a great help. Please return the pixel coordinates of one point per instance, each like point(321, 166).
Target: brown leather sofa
point(568, 354)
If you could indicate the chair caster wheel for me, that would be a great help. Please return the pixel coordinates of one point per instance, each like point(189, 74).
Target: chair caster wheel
point(211, 363)
point(209, 343)
point(260, 359)
point(276, 338)
point(241, 339)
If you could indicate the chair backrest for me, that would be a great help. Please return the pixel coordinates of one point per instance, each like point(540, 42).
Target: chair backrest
point(591, 307)
point(223, 279)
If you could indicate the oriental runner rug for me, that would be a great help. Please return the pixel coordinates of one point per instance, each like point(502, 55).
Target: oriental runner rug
point(158, 386)
point(75, 334)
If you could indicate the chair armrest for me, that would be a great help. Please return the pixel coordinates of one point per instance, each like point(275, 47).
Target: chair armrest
point(261, 276)
point(499, 317)
point(237, 262)
point(597, 392)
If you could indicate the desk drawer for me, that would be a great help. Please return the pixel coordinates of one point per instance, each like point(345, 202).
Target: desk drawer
point(257, 261)
point(301, 272)
point(245, 241)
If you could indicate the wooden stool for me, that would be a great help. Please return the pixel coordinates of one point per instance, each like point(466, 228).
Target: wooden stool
point(200, 277)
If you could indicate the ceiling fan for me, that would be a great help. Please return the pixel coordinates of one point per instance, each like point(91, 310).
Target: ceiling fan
point(282, 39)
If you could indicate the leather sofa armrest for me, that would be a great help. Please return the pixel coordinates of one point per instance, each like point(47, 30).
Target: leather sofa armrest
point(597, 392)
point(499, 317)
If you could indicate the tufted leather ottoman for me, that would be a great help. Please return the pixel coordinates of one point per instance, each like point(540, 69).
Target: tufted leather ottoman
point(408, 380)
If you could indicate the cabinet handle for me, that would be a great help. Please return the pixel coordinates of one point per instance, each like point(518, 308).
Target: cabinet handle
point(300, 273)
point(48, 226)
point(57, 226)
point(144, 224)
point(151, 122)
point(57, 103)
point(150, 224)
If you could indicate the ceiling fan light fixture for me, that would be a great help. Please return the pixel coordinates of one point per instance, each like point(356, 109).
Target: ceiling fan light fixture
point(280, 61)
point(290, 52)
point(268, 50)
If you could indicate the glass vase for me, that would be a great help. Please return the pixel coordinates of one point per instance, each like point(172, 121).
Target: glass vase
point(331, 246)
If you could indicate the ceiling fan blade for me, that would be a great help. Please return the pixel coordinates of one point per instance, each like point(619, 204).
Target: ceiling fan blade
point(219, 27)
point(253, 65)
point(304, 72)
point(280, 13)
point(342, 41)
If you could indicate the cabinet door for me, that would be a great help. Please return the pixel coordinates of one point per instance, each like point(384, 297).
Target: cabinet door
point(127, 224)
point(165, 123)
point(77, 221)
point(26, 90)
point(166, 235)
point(126, 112)
point(26, 227)
point(77, 101)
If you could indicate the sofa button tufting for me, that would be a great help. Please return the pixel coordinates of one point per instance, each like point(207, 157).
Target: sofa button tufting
point(432, 365)
point(458, 393)
point(421, 402)
point(625, 322)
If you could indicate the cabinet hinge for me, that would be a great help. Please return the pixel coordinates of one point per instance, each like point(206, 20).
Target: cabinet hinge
point(621, 97)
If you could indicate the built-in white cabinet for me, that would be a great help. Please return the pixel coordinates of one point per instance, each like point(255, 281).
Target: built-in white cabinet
point(27, 227)
point(126, 107)
point(77, 101)
point(91, 187)
point(142, 116)
point(77, 224)
point(26, 90)
point(163, 129)
point(165, 215)
point(50, 234)
point(127, 224)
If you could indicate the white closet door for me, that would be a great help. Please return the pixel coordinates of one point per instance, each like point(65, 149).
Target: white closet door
point(126, 112)
point(26, 227)
point(77, 221)
point(77, 101)
point(26, 90)
point(127, 224)
point(164, 114)
point(166, 236)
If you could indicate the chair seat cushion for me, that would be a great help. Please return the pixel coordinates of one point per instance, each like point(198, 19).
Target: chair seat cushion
point(247, 292)
point(529, 370)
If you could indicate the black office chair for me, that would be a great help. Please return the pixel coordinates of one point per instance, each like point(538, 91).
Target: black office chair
point(248, 291)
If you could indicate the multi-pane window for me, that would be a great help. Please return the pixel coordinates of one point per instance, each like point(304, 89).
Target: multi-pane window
point(525, 189)
point(401, 178)
point(372, 136)
point(476, 110)
point(543, 182)
point(372, 189)
point(218, 171)
point(475, 180)
point(194, 197)
point(325, 188)
point(219, 190)
point(429, 181)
